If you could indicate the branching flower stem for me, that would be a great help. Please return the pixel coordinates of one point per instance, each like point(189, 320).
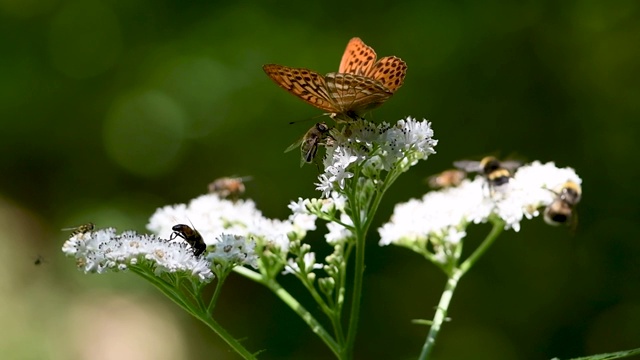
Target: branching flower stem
point(290, 301)
point(361, 230)
point(454, 276)
point(201, 314)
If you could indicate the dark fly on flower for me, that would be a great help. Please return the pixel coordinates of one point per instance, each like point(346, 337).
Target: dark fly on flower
point(191, 236)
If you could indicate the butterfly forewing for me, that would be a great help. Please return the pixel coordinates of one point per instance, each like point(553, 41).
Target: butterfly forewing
point(303, 83)
point(358, 58)
point(390, 72)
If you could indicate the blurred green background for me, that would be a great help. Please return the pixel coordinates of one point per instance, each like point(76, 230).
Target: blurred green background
point(110, 109)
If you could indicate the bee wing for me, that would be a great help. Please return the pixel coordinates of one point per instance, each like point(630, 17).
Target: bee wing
point(295, 145)
point(468, 165)
point(511, 165)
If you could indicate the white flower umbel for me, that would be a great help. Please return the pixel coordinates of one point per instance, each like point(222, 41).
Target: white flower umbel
point(441, 217)
point(213, 216)
point(435, 225)
point(104, 250)
point(368, 148)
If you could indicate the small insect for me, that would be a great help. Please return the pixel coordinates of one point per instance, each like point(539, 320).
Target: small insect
point(39, 260)
point(562, 209)
point(85, 228)
point(231, 187)
point(319, 134)
point(191, 236)
point(360, 85)
point(447, 178)
point(495, 171)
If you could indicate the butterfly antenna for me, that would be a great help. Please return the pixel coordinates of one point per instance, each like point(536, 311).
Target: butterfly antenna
point(307, 119)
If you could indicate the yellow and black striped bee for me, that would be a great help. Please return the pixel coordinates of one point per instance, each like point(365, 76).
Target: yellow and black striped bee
point(231, 187)
point(495, 171)
point(314, 137)
point(447, 178)
point(562, 209)
point(191, 236)
point(84, 228)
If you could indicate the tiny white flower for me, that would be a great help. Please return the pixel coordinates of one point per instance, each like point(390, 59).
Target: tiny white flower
point(337, 232)
point(233, 250)
point(309, 260)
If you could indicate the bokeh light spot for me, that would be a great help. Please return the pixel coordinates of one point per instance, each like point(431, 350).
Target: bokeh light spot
point(204, 86)
point(144, 131)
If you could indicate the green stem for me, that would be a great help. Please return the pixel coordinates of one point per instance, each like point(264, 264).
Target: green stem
point(455, 275)
point(305, 315)
point(354, 315)
point(498, 227)
point(170, 292)
point(441, 313)
point(220, 331)
point(165, 288)
point(216, 294)
point(361, 236)
point(290, 301)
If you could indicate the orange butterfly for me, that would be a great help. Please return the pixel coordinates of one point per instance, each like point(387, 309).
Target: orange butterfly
point(361, 84)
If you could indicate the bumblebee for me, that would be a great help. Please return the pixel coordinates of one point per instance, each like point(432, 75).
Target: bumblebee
point(191, 236)
point(562, 209)
point(314, 137)
point(85, 228)
point(447, 178)
point(231, 187)
point(495, 171)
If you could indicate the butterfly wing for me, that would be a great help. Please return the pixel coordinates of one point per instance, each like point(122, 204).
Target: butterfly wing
point(358, 58)
point(303, 83)
point(355, 94)
point(390, 72)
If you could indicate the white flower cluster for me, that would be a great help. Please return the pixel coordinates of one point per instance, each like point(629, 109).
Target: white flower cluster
point(213, 216)
point(443, 215)
point(234, 250)
point(103, 250)
point(375, 147)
